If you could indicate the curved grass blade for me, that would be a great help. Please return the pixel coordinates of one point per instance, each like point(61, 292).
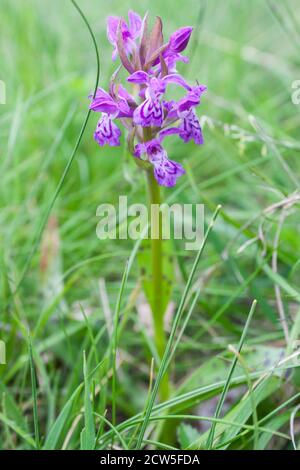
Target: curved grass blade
point(34, 394)
point(114, 430)
point(186, 400)
point(43, 223)
point(88, 434)
point(114, 340)
point(227, 384)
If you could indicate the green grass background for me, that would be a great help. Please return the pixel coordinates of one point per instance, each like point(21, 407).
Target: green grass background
point(248, 56)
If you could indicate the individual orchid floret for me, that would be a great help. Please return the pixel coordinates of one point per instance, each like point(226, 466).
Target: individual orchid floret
point(190, 128)
point(166, 171)
point(177, 43)
point(116, 104)
point(180, 39)
point(103, 102)
point(184, 109)
point(192, 98)
point(150, 112)
point(129, 32)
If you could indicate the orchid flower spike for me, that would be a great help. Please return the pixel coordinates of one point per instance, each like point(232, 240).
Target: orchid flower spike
point(151, 66)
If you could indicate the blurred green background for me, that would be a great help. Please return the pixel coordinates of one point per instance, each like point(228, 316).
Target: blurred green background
point(247, 53)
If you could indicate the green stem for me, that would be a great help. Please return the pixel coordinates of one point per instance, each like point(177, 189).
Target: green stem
point(157, 278)
point(157, 273)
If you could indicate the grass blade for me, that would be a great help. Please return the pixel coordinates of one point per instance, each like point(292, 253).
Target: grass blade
point(56, 430)
point(88, 435)
point(34, 394)
point(226, 386)
point(45, 217)
point(164, 361)
point(113, 360)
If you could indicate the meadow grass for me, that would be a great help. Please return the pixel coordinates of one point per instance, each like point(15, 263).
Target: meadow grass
point(80, 372)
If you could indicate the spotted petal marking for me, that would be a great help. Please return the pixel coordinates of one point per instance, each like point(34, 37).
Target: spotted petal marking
point(107, 132)
point(149, 113)
point(191, 129)
point(167, 171)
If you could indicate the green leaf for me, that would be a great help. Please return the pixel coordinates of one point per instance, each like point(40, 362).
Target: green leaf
point(186, 434)
point(216, 369)
point(34, 393)
point(12, 411)
point(56, 430)
point(18, 430)
point(240, 413)
point(88, 434)
point(292, 292)
point(275, 424)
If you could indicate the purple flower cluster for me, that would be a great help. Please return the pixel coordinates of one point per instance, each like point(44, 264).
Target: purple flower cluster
point(145, 113)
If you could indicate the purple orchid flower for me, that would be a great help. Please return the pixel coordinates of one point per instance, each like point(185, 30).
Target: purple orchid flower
point(151, 64)
point(192, 98)
point(180, 39)
point(130, 32)
point(190, 128)
point(116, 104)
point(184, 110)
point(166, 171)
point(190, 125)
point(177, 43)
point(150, 112)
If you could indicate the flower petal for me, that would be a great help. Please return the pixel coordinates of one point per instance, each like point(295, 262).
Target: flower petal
point(166, 132)
point(139, 77)
point(101, 94)
point(179, 40)
point(139, 150)
point(135, 24)
point(155, 38)
point(123, 48)
point(124, 95)
point(107, 132)
point(192, 99)
point(149, 113)
point(103, 102)
point(167, 171)
point(112, 27)
point(178, 80)
point(191, 129)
